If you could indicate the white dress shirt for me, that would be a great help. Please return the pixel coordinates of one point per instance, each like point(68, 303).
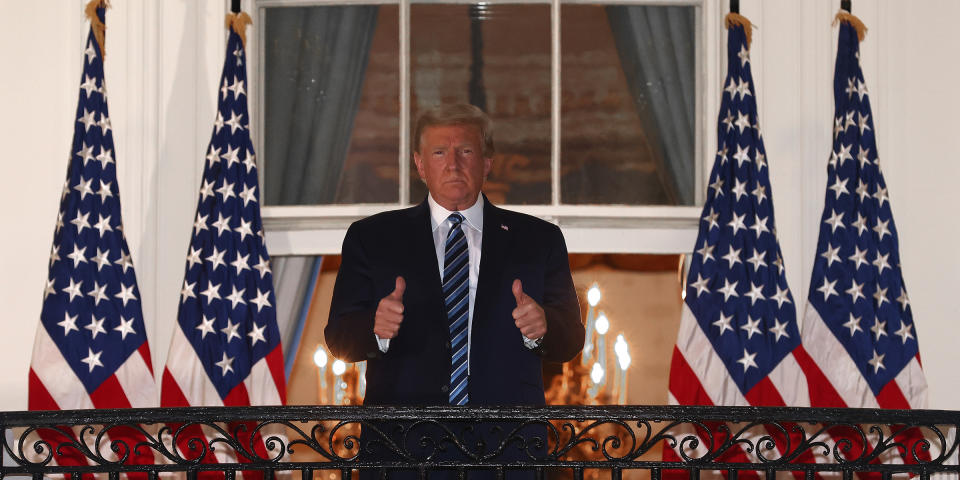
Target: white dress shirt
point(472, 227)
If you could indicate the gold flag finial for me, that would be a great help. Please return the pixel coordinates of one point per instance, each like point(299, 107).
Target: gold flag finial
point(99, 28)
point(238, 23)
point(735, 19)
point(856, 23)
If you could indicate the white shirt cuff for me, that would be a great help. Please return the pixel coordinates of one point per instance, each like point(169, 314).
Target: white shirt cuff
point(530, 343)
point(382, 343)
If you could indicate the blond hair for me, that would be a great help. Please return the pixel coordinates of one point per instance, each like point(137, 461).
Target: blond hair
point(457, 114)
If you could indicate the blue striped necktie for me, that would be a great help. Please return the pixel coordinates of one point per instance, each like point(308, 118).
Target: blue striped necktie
point(456, 299)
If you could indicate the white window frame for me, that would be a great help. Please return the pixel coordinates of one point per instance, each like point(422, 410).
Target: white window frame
point(319, 229)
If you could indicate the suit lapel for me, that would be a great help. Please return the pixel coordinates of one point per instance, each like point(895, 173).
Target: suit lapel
point(496, 240)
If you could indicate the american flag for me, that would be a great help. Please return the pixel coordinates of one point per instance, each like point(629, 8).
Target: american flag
point(91, 347)
point(226, 347)
point(858, 325)
point(738, 342)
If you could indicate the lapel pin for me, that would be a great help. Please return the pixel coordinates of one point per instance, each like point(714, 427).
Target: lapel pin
point(504, 227)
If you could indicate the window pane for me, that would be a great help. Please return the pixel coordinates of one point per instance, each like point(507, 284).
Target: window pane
point(497, 57)
point(628, 104)
point(331, 113)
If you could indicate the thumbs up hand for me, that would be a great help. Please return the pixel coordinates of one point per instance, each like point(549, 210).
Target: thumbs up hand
point(528, 316)
point(386, 322)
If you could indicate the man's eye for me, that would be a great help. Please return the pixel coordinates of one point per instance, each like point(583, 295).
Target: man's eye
point(438, 152)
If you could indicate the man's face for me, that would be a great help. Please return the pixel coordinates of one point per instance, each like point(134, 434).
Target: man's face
point(452, 164)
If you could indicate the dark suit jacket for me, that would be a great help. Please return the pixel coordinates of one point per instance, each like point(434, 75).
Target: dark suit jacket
point(416, 368)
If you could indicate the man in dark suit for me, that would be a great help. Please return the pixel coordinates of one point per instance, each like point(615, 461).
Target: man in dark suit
point(454, 301)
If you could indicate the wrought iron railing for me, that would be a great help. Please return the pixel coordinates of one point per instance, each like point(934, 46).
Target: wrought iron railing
point(468, 443)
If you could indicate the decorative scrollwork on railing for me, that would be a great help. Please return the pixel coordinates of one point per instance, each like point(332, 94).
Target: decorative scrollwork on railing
point(286, 438)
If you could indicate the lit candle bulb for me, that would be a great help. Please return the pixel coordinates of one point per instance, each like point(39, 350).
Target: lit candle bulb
point(338, 386)
point(320, 360)
point(593, 298)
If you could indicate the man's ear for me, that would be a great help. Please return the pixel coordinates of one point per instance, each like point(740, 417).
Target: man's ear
point(487, 166)
point(418, 161)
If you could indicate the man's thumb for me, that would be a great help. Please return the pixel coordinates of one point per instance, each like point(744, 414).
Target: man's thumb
point(398, 290)
point(518, 291)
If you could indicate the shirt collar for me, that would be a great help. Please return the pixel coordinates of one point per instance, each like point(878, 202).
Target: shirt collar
point(473, 216)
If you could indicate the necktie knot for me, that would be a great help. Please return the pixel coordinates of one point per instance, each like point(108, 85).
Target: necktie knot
point(455, 219)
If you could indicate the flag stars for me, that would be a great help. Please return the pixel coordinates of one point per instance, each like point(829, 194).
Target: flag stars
point(879, 329)
point(743, 88)
point(105, 157)
point(206, 326)
point(880, 296)
point(92, 359)
point(200, 223)
point(759, 225)
point(761, 161)
point(728, 120)
point(905, 332)
point(742, 156)
point(216, 258)
point(882, 229)
point(881, 262)
point(98, 293)
point(236, 297)
point(739, 188)
point(95, 326)
point(244, 229)
point(81, 222)
point(77, 255)
point(722, 155)
point(743, 122)
point(751, 327)
point(851, 87)
point(706, 252)
point(853, 325)
point(831, 254)
point(54, 254)
point(241, 263)
point(863, 157)
point(89, 85)
point(221, 224)
point(881, 195)
point(217, 124)
point(757, 260)
point(837, 128)
point(862, 122)
point(125, 328)
point(827, 289)
point(737, 223)
point(861, 89)
point(73, 289)
point(213, 156)
point(68, 323)
point(206, 190)
point(225, 364)
point(839, 187)
point(232, 155)
point(760, 193)
point(212, 292)
point(263, 267)
point(124, 262)
point(731, 88)
point(103, 225)
point(755, 294)
point(237, 88)
point(723, 323)
point(256, 334)
point(835, 221)
point(231, 330)
point(87, 119)
point(86, 154)
point(226, 191)
point(860, 223)
point(876, 362)
point(729, 289)
point(193, 257)
point(779, 329)
point(49, 288)
point(855, 291)
point(84, 188)
point(748, 360)
point(717, 187)
point(733, 257)
point(844, 154)
point(105, 191)
point(250, 161)
point(90, 52)
point(126, 294)
point(744, 55)
point(235, 122)
point(904, 300)
point(782, 296)
point(262, 300)
point(848, 121)
point(224, 89)
point(248, 194)
point(700, 285)
point(711, 219)
point(187, 291)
